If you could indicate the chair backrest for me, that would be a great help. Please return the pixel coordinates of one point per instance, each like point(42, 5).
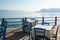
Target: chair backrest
point(3, 28)
point(38, 31)
point(29, 26)
point(24, 24)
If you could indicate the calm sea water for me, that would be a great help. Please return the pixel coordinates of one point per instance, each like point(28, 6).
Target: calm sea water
point(18, 14)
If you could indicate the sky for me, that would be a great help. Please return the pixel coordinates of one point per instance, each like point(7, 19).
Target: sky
point(28, 5)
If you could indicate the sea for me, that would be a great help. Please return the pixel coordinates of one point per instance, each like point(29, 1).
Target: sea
point(20, 14)
point(17, 14)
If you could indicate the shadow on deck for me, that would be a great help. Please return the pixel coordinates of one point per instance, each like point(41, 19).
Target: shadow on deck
point(16, 36)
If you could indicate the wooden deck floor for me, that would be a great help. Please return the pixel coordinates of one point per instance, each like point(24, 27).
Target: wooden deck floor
point(11, 31)
point(19, 34)
point(54, 32)
point(16, 35)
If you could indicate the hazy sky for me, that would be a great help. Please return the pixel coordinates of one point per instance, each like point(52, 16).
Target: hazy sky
point(28, 5)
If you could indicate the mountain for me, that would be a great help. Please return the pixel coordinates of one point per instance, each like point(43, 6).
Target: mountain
point(50, 10)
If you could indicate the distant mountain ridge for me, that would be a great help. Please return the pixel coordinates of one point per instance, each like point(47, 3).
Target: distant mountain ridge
point(50, 10)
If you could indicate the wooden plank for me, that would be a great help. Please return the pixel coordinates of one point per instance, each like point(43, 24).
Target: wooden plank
point(58, 35)
point(11, 31)
point(53, 32)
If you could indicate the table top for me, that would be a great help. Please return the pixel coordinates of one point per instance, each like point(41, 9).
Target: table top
point(29, 20)
point(47, 27)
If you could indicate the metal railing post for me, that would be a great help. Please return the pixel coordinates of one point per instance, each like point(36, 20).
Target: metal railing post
point(55, 20)
point(42, 20)
point(23, 24)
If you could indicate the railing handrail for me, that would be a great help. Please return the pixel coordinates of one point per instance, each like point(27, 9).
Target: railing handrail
point(29, 17)
point(55, 19)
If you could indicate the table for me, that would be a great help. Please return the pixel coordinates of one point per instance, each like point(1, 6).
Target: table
point(47, 27)
point(32, 21)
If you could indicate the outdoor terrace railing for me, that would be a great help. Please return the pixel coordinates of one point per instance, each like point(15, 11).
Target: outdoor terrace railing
point(18, 21)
